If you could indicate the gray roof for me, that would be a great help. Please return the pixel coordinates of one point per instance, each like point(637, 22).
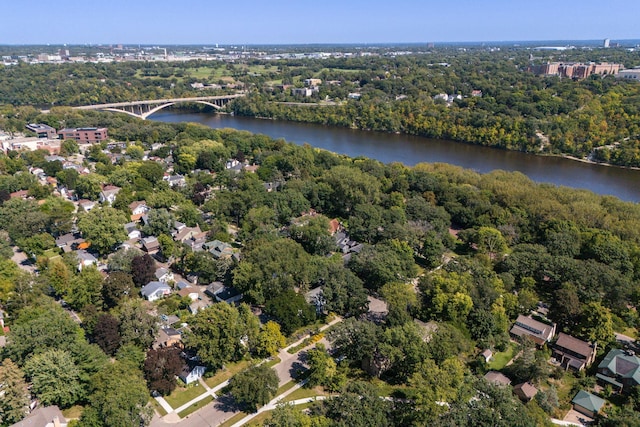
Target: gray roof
point(153, 287)
point(85, 256)
point(41, 417)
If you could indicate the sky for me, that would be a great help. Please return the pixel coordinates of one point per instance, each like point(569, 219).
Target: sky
point(308, 22)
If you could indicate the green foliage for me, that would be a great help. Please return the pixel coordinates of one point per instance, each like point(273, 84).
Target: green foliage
point(270, 340)
point(15, 395)
point(388, 261)
point(55, 378)
point(103, 227)
point(254, 387)
point(291, 310)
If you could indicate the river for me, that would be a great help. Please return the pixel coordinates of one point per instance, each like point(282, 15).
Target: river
point(410, 150)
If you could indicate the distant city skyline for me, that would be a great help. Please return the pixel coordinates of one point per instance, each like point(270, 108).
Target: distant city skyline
point(331, 21)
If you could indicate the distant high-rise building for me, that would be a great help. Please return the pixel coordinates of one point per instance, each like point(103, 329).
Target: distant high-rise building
point(606, 43)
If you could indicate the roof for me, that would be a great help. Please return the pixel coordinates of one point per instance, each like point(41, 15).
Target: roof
point(588, 401)
point(576, 345)
point(540, 332)
point(41, 417)
point(526, 390)
point(136, 204)
point(497, 378)
point(161, 272)
point(153, 287)
point(214, 288)
point(85, 256)
point(622, 363)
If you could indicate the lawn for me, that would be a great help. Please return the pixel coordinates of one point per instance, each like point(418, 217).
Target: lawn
point(199, 404)
point(285, 387)
point(303, 393)
point(273, 362)
point(231, 421)
point(182, 395)
point(229, 370)
point(501, 358)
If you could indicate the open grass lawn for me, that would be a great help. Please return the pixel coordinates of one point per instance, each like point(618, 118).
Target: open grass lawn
point(563, 387)
point(271, 363)
point(231, 421)
point(285, 387)
point(191, 409)
point(303, 393)
point(501, 358)
point(74, 412)
point(230, 370)
point(182, 395)
point(158, 407)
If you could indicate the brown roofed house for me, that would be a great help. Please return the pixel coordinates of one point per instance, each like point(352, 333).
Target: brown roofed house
point(539, 332)
point(573, 353)
point(525, 391)
point(497, 378)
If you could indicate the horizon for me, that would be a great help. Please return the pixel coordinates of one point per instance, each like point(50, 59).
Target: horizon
point(72, 22)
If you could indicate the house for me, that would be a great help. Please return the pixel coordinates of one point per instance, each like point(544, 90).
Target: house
point(334, 226)
point(132, 230)
point(219, 250)
point(539, 332)
point(620, 369)
point(497, 378)
point(191, 373)
point(587, 403)
point(176, 180)
point(186, 233)
point(221, 293)
point(108, 194)
point(43, 416)
point(574, 353)
point(150, 245)
point(525, 391)
point(86, 205)
point(69, 242)
point(198, 305)
point(487, 355)
point(167, 337)
point(234, 165)
point(153, 291)
point(164, 275)
point(138, 208)
point(182, 284)
point(85, 259)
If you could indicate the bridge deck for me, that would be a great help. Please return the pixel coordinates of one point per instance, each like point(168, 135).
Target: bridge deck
point(158, 101)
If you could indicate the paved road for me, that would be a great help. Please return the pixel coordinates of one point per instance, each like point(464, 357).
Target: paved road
point(223, 407)
point(22, 261)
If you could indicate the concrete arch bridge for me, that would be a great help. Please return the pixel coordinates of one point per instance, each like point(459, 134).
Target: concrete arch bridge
point(143, 109)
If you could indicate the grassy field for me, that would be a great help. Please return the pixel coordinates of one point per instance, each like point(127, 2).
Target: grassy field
point(182, 395)
point(501, 358)
point(303, 393)
point(191, 409)
point(74, 412)
point(271, 363)
point(231, 421)
point(230, 370)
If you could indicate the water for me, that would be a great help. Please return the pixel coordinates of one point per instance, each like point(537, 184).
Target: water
point(410, 150)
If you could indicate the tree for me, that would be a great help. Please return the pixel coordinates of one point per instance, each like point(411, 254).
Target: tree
point(254, 387)
point(121, 260)
point(349, 187)
point(342, 291)
point(55, 378)
point(143, 269)
point(216, 334)
point(14, 404)
point(136, 325)
point(69, 147)
point(355, 339)
point(314, 236)
point(161, 367)
point(291, 310)
point(385, 262)
point(160, 221)
point(85, 289)
point(597, 324)
point(287, 415)
point(358, 406)
point(106, 333)
point(270, 339)
point(103, 227)
point(151, 171)
point(116, 287)
point(323, 370)
point(401, 299)
point(120, 397)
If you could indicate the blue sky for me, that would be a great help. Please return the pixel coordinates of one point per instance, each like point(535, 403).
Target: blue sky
point(322, 21)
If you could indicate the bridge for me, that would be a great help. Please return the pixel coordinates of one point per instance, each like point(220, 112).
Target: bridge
point(143, 109)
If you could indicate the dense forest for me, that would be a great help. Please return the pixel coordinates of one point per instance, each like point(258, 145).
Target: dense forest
point(454, 255)
point(595, 118)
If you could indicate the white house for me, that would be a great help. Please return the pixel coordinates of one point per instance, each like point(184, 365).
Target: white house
point(132, 231)
point(85, 259)
point(153, 291)
point(190, 374)
point(108, 194)
point(139, 207)
point(164, 275)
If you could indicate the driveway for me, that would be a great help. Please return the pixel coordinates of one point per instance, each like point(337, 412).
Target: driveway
point(22, 261)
